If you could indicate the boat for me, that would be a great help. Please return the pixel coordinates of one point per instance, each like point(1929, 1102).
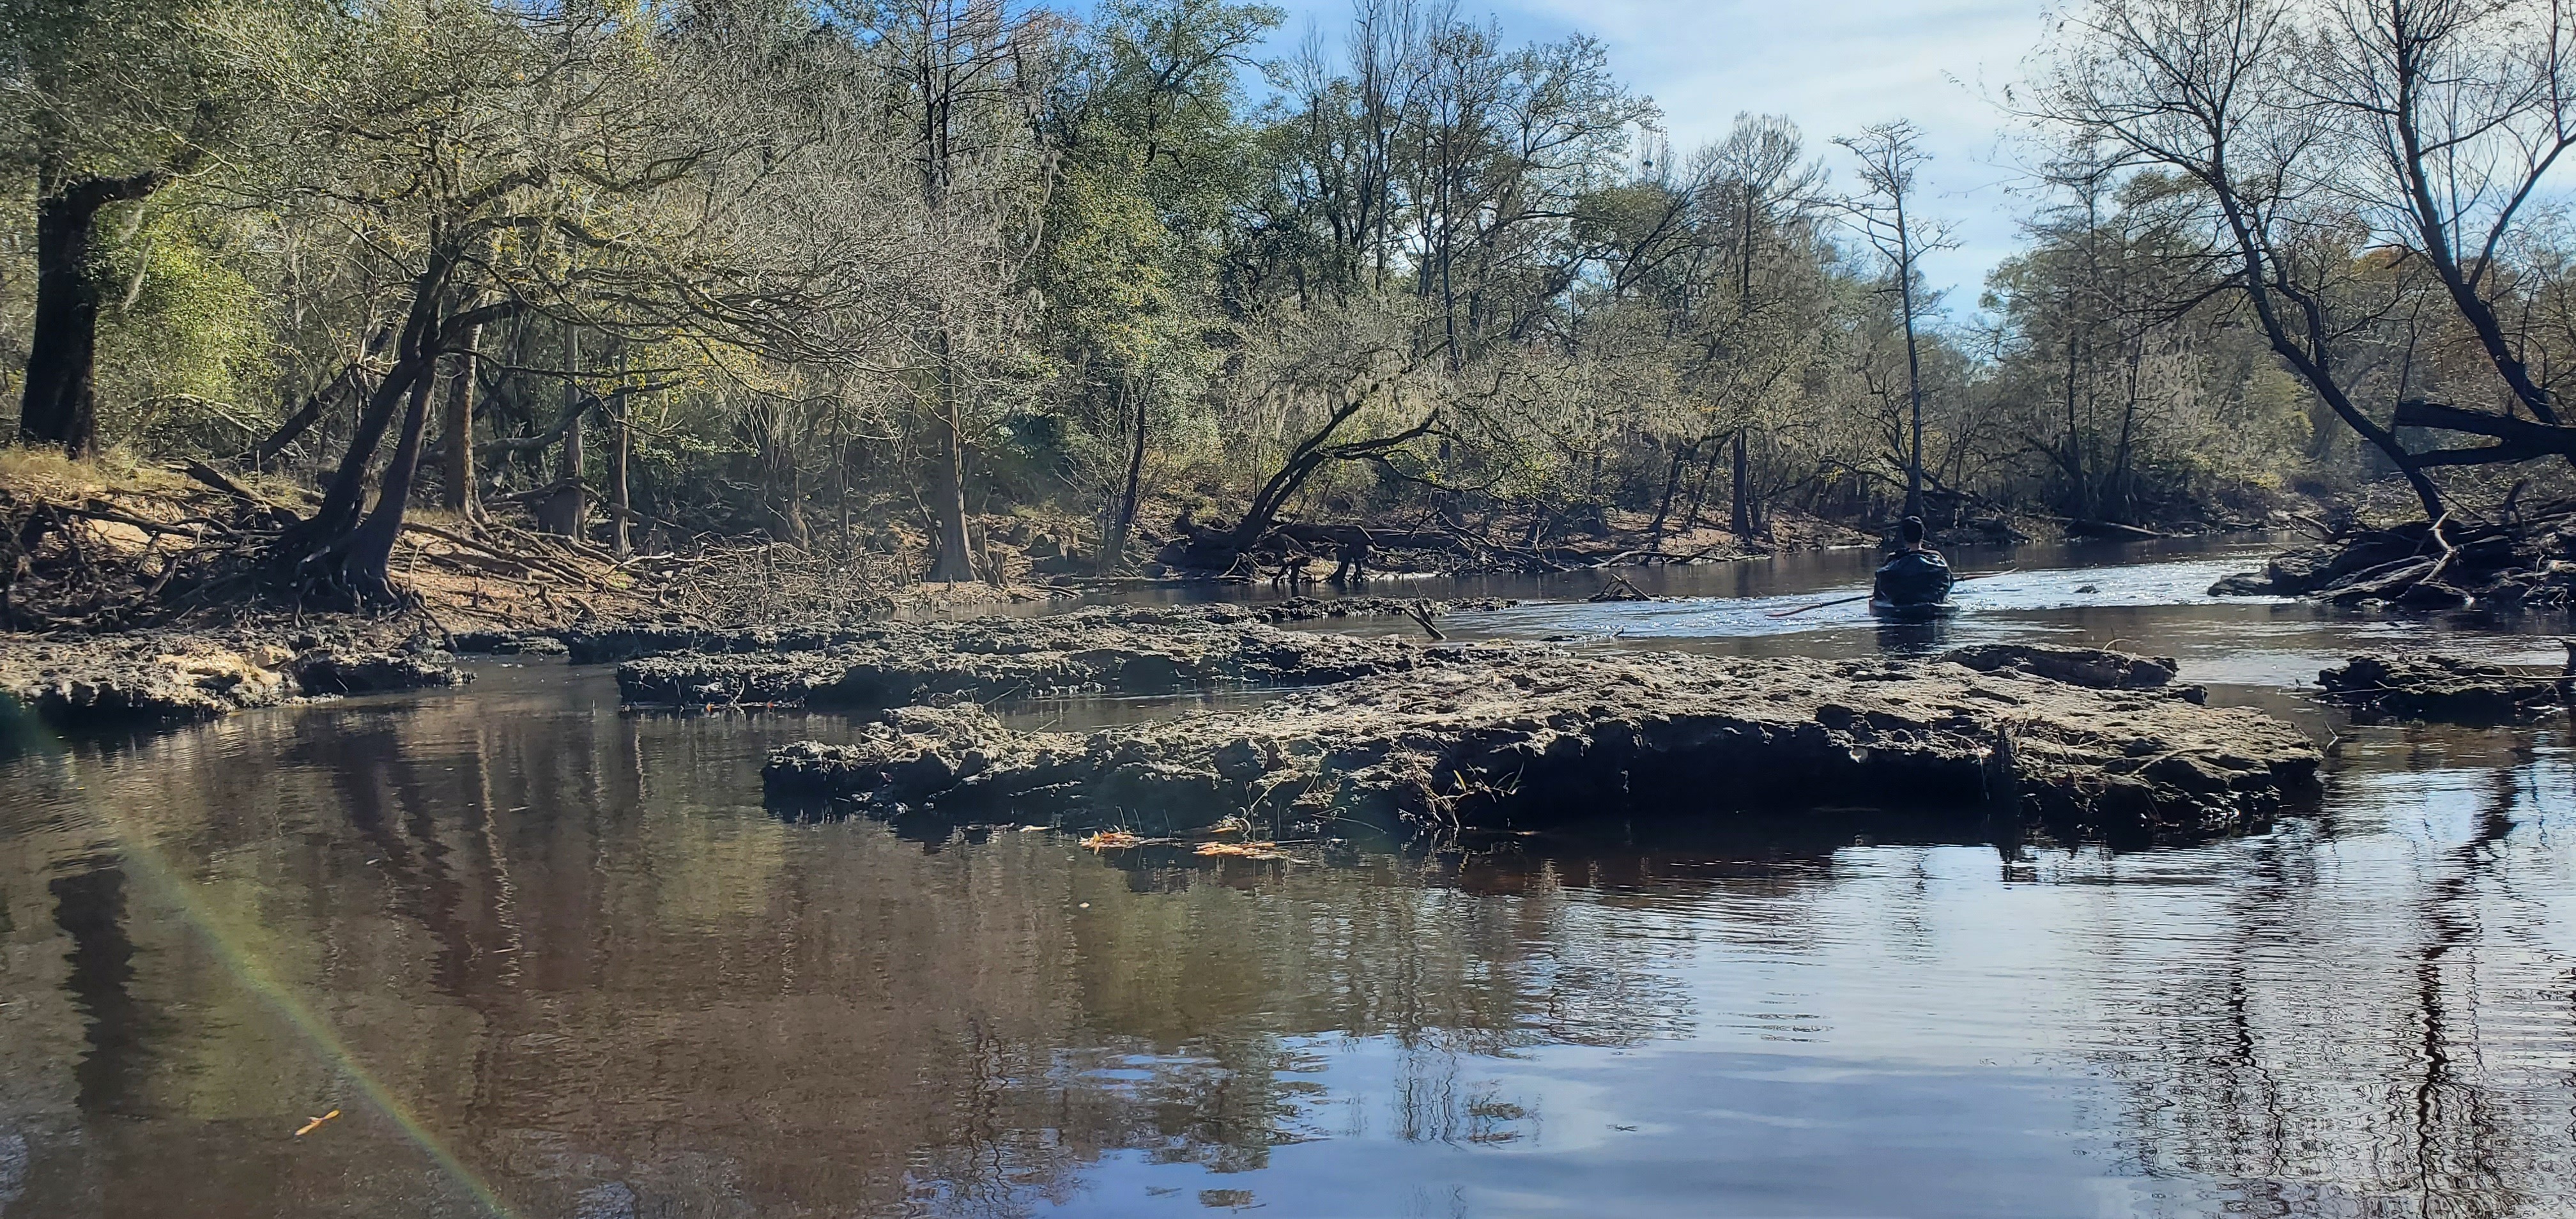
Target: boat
point(1913, 586)
point(1912, 611)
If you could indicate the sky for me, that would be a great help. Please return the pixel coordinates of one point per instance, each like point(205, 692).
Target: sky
point(1831, 66)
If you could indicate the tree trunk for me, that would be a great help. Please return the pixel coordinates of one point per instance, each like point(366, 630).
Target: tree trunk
point(1914, 396)
point(1700, 485)
point(59, 406)
point(566, 511)
point(367, 561)
point(621, 514)
point(956, 562)
point(2079, 501)
point(1739, 521)
point(456, 477)
point(1672, 485)
point(340, 500)
point(1113, 543)
point(1913, 360)
point(840, 469)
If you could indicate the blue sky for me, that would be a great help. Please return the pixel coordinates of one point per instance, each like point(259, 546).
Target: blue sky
point(1832, 66)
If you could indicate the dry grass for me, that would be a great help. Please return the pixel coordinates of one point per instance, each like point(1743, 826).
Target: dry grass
point(1111, 840)
point(1244, 850)
point(45, 473)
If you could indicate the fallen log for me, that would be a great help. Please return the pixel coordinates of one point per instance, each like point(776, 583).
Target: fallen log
point(2109, 531)
point(1531, 737)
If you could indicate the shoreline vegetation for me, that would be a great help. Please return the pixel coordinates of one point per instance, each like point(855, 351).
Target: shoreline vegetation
point(780, 352)
point(981, 293)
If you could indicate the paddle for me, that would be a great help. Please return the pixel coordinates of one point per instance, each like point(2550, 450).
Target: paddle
point(1866, 596)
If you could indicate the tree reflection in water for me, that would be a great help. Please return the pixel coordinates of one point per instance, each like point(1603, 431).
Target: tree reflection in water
point(575, 955)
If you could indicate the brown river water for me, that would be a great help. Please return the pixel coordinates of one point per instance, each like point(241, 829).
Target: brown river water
point(544, 958)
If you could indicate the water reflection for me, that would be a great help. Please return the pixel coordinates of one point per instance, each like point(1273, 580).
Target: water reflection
point(568, 950)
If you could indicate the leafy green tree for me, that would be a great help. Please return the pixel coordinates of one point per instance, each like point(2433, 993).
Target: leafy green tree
point(1152, 159)
point(104, 102)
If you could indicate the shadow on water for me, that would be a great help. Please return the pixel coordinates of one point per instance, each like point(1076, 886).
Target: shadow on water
point(554, 957)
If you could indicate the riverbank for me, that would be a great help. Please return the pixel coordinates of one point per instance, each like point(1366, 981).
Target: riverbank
point(166, 676)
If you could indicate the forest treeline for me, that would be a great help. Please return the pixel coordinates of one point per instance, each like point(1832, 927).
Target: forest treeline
point(826, 270)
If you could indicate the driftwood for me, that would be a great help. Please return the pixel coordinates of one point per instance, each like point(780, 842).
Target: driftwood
point(1620, 589)
point(2113, 530)
point(2441, 564)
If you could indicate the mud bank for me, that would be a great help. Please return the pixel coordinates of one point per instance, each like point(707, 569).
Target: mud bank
point(2443, 689)
point(1121, 650)
point(619, 641)
point(163, 677)
point(1525, 738)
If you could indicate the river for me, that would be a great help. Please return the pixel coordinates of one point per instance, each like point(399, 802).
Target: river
point(545, 958)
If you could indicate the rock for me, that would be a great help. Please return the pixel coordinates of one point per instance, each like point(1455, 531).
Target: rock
point(326, 671)
point(2296, 571)
point(2443, 688)
point(1085, 652)
point(165, 677)
point(1529, 737)
point(510, 643)
point(2244, 584)
point(2091, 667)
point(602, 643)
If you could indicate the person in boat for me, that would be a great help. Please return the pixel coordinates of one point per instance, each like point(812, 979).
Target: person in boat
point(1915, 574)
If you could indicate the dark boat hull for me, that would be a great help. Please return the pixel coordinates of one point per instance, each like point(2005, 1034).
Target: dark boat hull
point(1912, 611)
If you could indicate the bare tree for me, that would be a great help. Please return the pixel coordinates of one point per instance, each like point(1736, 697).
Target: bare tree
point(2209, 90)
point(2466, 107)
point(501, 165)
point(964, 84)
point(1887, 217)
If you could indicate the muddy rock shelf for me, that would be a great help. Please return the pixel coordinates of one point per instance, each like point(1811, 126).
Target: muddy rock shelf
point(1528, 737)
point(1122, 651)
point(171, 677)
point(2446, 689)
point(594, 644)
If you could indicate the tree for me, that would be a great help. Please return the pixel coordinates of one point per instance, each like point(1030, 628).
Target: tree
point(501, 165)
point(2208, 90)
point(1889, 155)
point(1151, 160)
point(963, 81)
point(109, 101)
point(1323, 390)
point(2466, 108)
